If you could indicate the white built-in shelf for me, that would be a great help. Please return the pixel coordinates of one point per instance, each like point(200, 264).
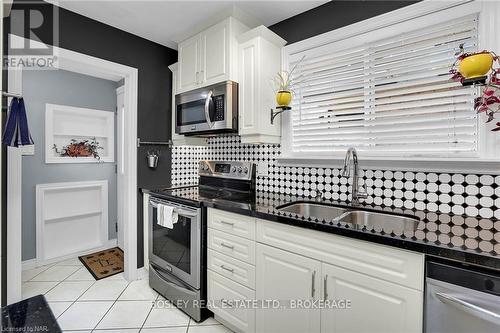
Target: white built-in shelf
point(63, 123)
point(49, 219)
point(71, 218)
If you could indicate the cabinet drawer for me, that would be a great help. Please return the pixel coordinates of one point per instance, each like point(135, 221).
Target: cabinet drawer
point(222, 293)
point(380, 261)
point(235, 224)
point(234, 246)
point(231, 268)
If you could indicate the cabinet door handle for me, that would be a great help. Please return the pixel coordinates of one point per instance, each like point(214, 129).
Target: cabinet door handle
point(227, 269)
point(227, 246)
point(228, 223)
point(313, 287)
point(325, 287)
point(197, 78)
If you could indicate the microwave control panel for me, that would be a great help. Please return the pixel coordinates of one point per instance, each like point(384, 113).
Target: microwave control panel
point(219, 107)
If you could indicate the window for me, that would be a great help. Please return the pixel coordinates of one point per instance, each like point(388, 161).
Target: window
point(387, 93)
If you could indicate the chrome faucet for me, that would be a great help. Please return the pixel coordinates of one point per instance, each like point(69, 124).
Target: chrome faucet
point(352, 156)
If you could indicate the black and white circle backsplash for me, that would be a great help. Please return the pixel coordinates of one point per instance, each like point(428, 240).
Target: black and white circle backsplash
point(474, 195)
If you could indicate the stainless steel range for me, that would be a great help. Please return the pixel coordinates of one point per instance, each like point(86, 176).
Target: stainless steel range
point(177, 255)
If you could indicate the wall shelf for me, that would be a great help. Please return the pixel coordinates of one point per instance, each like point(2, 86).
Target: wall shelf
point(63, 123)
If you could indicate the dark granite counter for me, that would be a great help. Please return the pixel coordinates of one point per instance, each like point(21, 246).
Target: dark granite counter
point(31, 315)
point(470, 240)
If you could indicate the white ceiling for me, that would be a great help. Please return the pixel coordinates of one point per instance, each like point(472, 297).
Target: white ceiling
point(168, 22)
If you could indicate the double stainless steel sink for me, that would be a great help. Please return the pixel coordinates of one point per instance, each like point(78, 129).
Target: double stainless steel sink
point(359, 219)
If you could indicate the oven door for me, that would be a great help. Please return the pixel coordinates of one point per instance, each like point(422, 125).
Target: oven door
point(177, 250)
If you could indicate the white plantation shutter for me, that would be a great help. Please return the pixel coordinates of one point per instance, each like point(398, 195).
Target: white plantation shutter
point(388, 97)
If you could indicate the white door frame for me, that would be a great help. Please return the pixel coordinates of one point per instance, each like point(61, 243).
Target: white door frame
point(119, 156)
point(127, 166)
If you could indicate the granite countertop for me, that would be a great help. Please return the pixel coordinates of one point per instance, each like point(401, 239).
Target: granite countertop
point(30, 315)
point(471, 240)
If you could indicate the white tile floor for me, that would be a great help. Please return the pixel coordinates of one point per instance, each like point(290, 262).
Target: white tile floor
point(82, 304)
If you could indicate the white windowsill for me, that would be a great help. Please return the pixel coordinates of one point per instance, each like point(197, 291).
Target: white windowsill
point(454, 165)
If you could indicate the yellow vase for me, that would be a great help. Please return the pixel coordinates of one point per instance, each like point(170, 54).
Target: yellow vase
point(283, 98)
point(476, 65)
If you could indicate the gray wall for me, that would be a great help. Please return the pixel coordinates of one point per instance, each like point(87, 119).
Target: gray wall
point(66, 88)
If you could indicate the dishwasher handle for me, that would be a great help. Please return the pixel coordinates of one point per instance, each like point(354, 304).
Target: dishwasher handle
point(470, 308)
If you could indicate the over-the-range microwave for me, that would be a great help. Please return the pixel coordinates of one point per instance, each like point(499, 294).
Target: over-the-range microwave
point(207, 111)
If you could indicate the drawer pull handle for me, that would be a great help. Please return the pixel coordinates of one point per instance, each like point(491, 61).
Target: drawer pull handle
point(313, 287)
point(228, 223)
point(227, 269)
point(325, 287)
point(227, 246)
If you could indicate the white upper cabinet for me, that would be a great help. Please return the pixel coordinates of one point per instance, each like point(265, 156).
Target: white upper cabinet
point(189, 64)
point(215, 58)
point(259, 55)
point(210, 56)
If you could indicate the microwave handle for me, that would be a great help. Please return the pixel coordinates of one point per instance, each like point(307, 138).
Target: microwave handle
point(207, 105)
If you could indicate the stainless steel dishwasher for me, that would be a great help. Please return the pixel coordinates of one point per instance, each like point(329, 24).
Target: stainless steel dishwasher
point(461, 299)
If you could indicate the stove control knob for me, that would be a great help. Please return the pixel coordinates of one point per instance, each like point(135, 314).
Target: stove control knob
point(233, 169)
point(240, 169)
point(245, 170)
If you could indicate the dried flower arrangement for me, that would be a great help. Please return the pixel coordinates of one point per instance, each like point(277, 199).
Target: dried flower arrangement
point(80, 148)
point(489, 101)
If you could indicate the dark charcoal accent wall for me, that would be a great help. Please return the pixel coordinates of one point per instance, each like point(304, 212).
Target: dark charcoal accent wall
point(332, 15)
point(84, 35)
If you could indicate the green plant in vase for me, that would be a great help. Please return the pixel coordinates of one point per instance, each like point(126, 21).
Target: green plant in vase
point(284, 86)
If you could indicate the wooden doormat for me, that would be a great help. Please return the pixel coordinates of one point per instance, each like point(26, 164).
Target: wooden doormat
point(104, 263)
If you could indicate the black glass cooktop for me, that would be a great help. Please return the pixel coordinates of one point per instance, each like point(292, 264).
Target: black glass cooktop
point(199, 193)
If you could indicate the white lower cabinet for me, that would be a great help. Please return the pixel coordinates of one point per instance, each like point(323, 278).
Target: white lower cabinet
point(286, 277)
point(374, 305)
point(298, 268)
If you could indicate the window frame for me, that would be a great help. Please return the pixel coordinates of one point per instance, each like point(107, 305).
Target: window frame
point(425, 13)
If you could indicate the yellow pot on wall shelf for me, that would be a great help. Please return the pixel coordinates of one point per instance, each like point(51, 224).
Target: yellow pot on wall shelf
point(283, 98)
point(475, 65)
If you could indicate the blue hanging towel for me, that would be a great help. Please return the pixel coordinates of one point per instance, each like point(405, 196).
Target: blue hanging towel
point(17, 132)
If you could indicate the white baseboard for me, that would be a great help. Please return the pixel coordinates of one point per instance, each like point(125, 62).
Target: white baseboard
point(29, 264)
point(34, 263)
point(142, 273)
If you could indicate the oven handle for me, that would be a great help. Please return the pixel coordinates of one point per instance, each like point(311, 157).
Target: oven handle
point(181, 212)
point(207, 111)
point(470, 308)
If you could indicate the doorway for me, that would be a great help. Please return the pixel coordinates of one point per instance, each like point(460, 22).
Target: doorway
point(126, 158)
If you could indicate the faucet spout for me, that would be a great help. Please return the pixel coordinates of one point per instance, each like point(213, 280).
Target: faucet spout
point(351, 158)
